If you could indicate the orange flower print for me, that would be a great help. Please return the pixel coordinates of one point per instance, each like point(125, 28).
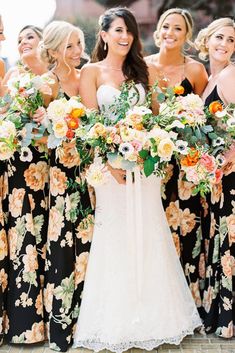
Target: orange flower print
point(80, 267)
point(194, 287)
point(216, 192)
point(68, 154)
point(173, 214)
point(58, 181)
point(85, 229)
point(229, 168)
point(207, 298)
point(30, 259)
point(185, 189)
point(187, 222)
point(16, 201)
point(228, 263)
point(48, 296)
point(176, 240)
point(31, 202)
point(3, 244)
point(55, 225)
point(212, 225)
point(12, 238)
point(3, 279)
point(231, 228)
point(38, 304)
point(36, 334)
point(168, 173)
point(36, 176)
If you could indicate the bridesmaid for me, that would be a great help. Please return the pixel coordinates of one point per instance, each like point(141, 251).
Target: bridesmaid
point(171, 67)
point(27, 221)
point(3, 240)
point(70, 217)
point(217, 43)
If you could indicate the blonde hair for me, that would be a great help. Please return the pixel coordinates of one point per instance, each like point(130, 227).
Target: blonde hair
point(206, 33)
point(188, 22)
point(54, 34)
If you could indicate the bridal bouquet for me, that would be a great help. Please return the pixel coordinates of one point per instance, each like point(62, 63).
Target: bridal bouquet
point(130, 139)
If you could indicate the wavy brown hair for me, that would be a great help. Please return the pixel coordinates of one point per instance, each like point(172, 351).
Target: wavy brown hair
point(134, 67)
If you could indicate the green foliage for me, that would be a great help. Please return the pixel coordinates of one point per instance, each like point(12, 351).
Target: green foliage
point(90, 28)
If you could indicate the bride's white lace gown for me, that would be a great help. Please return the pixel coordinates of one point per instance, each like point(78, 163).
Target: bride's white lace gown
point(135, 292)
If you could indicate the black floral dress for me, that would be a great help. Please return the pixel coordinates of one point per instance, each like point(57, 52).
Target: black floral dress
point(69, 237)
point(26, 233)
point(183, 211)
point(3, 249)
point(219, 237)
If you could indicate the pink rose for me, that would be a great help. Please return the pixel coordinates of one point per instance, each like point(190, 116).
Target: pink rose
point(208, 162)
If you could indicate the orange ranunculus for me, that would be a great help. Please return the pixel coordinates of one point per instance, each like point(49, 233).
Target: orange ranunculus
point(77, 112)
point(215, 106)
point(73, 123)
point(178, 90)
point(70, 134)
point(191, 159)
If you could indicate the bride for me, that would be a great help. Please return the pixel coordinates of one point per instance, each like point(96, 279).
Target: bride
point(135, 292)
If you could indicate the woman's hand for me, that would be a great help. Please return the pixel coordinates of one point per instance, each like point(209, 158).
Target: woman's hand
point(39, 115)
point(118, 174)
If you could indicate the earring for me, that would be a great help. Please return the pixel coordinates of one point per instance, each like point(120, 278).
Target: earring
point(105, 46)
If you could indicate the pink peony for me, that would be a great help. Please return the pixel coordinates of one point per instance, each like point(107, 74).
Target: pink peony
point(208, 162)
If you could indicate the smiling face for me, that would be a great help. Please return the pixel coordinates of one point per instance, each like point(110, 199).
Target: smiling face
point(221, 44)
point(70, 50)
point(28, 42)
point(118, 37)
point(173, 32)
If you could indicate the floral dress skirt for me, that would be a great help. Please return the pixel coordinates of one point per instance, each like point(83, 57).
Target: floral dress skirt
point(69, 237)
point(184, 212)
point(3, 248)
point(27, 230)
point(218, 296)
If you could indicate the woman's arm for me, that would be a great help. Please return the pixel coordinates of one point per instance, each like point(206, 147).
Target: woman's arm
point(88, 86)
point(197, 75)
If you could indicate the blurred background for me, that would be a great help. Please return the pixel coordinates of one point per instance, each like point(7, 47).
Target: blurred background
point(85, 14)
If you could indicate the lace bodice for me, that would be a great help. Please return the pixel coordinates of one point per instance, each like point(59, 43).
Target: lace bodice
point(106, 95)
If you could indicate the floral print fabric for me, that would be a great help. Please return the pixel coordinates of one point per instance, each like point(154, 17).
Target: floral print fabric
point(3, 249)
point(27, 231)
point(69, 237)
point(218, 295)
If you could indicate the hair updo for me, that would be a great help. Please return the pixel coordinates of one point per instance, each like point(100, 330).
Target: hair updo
point(206, 33)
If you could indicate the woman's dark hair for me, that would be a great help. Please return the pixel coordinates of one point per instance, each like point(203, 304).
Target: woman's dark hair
point(36, 29)
point(134, 66)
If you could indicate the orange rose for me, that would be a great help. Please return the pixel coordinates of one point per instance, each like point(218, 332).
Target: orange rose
point(73, 123)
point(77, 112)
point(138, 126)
point(215, 106)
point(178, 90)
point(70, 134)
point(191, 159)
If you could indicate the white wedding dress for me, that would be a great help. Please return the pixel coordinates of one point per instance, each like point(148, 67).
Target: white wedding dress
point(135, 292)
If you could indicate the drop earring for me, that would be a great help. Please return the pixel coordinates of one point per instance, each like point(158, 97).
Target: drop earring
point(105, 46)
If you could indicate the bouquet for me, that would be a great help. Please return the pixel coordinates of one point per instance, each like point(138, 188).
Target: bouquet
point(131, 139)
point(200, 161)
point(24, 99)
point(67, 121)
point(8, 143)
